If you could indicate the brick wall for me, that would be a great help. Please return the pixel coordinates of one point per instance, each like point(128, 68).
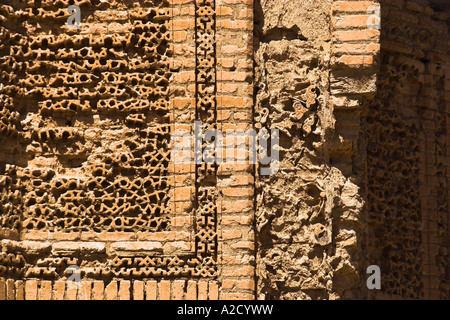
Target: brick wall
point(408, 154)
point(235, 181)
point(90, 117)
point(355, 65)
point(116, 88)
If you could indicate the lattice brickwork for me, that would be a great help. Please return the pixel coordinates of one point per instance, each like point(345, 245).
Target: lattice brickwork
point(88, 178)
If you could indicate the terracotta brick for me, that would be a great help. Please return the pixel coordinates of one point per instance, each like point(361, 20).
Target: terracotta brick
point(112, 291)
point(10, 289)
point(231, 2)
point(223, 115)
point(191, 292)
point(151, 290)
point(242, 126)
point(213, 291)
point(124, 290)
point(2, 289)
point(224, 168)
point(240, 180)
point(245, 64)
point(59, 290)
point(245, 25)
point(227, 88)
point(356, 60)
point(98, 290)
point(238, 270)
point(178, 289)
point(20, 290)
point(246, 284)
point(179, 36)
point(180, 168)
point(357, 48)
point(184, 77)
point(187, 11)
point(164, 290)
point(182, 2)
point(72, 291)
point(226, 62)
point(182, 103)
point(237, 258)
point(85, 290)
point(183, 24)
point(229, 283)
point(357, 35)
point(31, 290)
point(138, 290)
point(182, 221)
point(248, 245)
point(224, 11)
point(242, 116)
point(238, 284)
point(182, 50)
point(352, 21)
point(202, 290)
point(238, 192)
point(237, 220)
point(236, 206)
point(237, 296)
point(246, 13)
point(230, 101)
point(183, 193)
point(115, 236)
point(352, 6)
point(231, 234)
point(234, 76)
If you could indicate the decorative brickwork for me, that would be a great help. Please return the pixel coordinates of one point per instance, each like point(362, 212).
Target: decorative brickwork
point(88, 179)
point(408, 142)
point(97, 202)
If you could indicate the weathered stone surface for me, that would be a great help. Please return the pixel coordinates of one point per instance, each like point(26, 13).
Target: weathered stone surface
point(353, 114)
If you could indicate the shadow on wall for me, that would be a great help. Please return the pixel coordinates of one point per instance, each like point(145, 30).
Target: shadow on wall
point(315, 237)
point(407, 155)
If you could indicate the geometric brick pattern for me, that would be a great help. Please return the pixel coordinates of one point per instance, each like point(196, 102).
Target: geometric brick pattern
point(98, 187)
